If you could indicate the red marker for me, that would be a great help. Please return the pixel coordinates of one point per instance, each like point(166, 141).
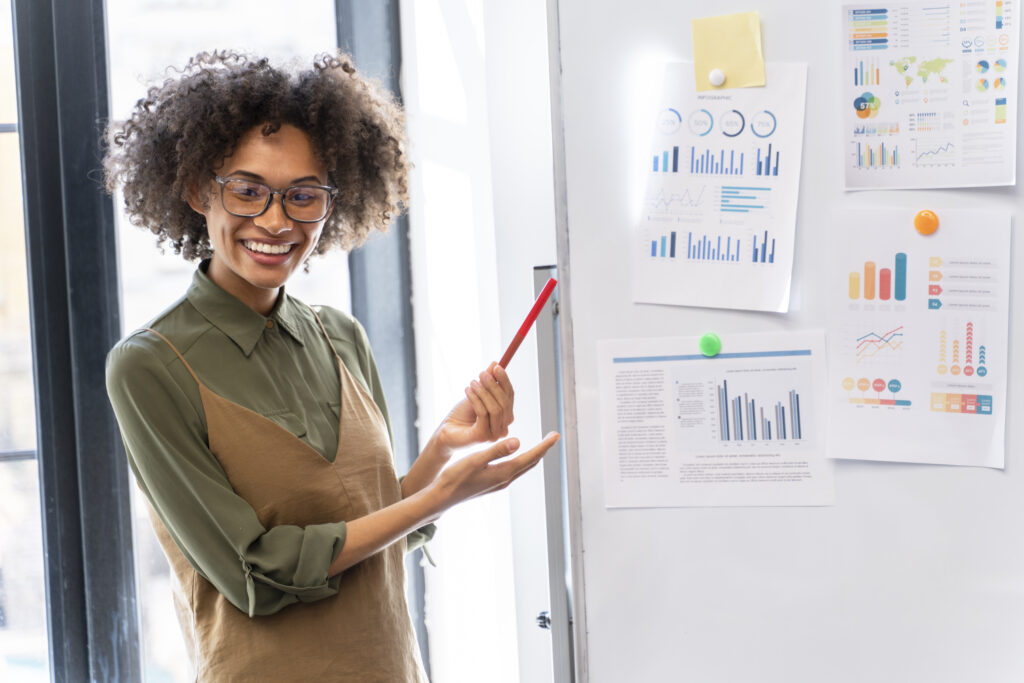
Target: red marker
point(528, 323)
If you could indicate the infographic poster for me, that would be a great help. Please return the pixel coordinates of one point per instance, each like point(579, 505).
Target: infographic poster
point(918, 333)
point(930, 94)
point(741, 428)
point(719, 214)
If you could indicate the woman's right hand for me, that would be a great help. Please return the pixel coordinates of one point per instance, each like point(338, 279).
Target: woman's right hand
point(481, 472)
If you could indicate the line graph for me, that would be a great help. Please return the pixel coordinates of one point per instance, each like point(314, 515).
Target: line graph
point(690, 200)
point(873, 343)
point(934, 153)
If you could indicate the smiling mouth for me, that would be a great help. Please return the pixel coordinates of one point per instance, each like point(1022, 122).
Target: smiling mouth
point(264, 248)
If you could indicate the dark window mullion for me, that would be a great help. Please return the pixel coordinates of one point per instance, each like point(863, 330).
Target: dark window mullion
point(70, 241)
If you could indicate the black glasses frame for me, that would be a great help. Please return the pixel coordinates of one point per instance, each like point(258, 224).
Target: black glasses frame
point(333, 191)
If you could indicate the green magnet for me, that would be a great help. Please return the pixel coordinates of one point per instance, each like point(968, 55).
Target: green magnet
point(710, 344)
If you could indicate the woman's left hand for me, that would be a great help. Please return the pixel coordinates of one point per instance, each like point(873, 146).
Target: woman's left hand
point(485, 413)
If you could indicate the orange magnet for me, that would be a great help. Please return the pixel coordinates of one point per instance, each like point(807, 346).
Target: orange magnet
point(926, 222)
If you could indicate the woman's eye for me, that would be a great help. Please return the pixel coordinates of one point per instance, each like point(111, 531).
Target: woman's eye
point(242, 191)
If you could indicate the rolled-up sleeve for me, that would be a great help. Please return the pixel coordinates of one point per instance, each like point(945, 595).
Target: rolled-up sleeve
point(258, 570)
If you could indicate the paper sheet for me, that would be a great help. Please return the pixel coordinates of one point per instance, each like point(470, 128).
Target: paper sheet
point(918, 333)
point(732, 43)
point(719, 215)
point(930, 94)
point(742, 428)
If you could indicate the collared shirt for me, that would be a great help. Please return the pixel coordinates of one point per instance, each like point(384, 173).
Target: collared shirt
point(279, 366)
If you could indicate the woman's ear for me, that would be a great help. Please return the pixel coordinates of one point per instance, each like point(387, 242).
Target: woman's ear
point(197, 204)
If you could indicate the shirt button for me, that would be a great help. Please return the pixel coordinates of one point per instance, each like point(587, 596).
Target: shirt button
point(270, 323)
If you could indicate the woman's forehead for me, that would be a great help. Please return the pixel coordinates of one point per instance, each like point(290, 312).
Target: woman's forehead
point(287, 154)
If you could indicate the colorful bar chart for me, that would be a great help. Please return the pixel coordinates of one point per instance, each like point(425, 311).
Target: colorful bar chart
point(742, 418)
point(877, 156)
point(761, 253)
point(965, 404)
point(717, 248)
point(720, 162)
point(867, 73)
point(744, 199)
point(886, 284)
point(764, 165)
point(661, 162)
point(957, 356)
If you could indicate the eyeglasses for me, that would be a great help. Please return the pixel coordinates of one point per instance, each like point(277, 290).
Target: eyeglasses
point(301, 203)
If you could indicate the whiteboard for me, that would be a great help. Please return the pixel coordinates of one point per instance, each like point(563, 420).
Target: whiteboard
point(915, 574)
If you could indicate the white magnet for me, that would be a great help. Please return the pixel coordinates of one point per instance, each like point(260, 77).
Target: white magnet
point(716, 77)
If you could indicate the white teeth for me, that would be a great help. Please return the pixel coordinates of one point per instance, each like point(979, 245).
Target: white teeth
point(264, 248)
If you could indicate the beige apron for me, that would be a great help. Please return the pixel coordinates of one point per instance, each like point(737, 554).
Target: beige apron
point(362, 634)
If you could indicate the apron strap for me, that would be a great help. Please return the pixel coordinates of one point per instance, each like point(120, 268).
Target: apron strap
point(324, 330)
point(178, 353)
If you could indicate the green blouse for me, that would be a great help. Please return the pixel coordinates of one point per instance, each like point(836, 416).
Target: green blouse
point(279, 366)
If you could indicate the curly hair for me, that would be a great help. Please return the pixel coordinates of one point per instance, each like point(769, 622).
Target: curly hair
point(183, 129)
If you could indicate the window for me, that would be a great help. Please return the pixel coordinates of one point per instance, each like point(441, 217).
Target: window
point(23, 640)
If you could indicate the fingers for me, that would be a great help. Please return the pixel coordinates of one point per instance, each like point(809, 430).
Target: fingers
point(506, 472)
point(513, 468)
point(494, 391)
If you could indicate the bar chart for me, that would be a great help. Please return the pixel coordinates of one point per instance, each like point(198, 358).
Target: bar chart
point(715, 162)
point(881, 283)
point(667, 161)
point(878, 156)
point(762, 254)
point(867, 73)
point(765, 166)
point(712, 247)
point(743, 418)
point(957, 355)
point(736, 199)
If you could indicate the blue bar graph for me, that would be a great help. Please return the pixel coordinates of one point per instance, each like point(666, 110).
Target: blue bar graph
point(711, 163)
point(718, 248)
point(743, 199)
point(658, 246)
point(741, 418)
point(764, 164)
point(761, 253)
point(660, 162)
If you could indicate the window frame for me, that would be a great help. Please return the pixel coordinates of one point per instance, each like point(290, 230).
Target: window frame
point(73, 302)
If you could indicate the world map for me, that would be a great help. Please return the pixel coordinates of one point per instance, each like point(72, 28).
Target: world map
point(925, 69)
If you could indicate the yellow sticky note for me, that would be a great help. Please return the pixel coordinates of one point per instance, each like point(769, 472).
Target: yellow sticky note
point(730, 43)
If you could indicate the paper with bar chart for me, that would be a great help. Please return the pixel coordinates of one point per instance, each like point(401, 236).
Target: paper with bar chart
point(742, 428)
point(719, 213)
point(930, 94)
point(918, 335)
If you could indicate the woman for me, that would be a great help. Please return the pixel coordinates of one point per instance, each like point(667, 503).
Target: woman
point(256, 425)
